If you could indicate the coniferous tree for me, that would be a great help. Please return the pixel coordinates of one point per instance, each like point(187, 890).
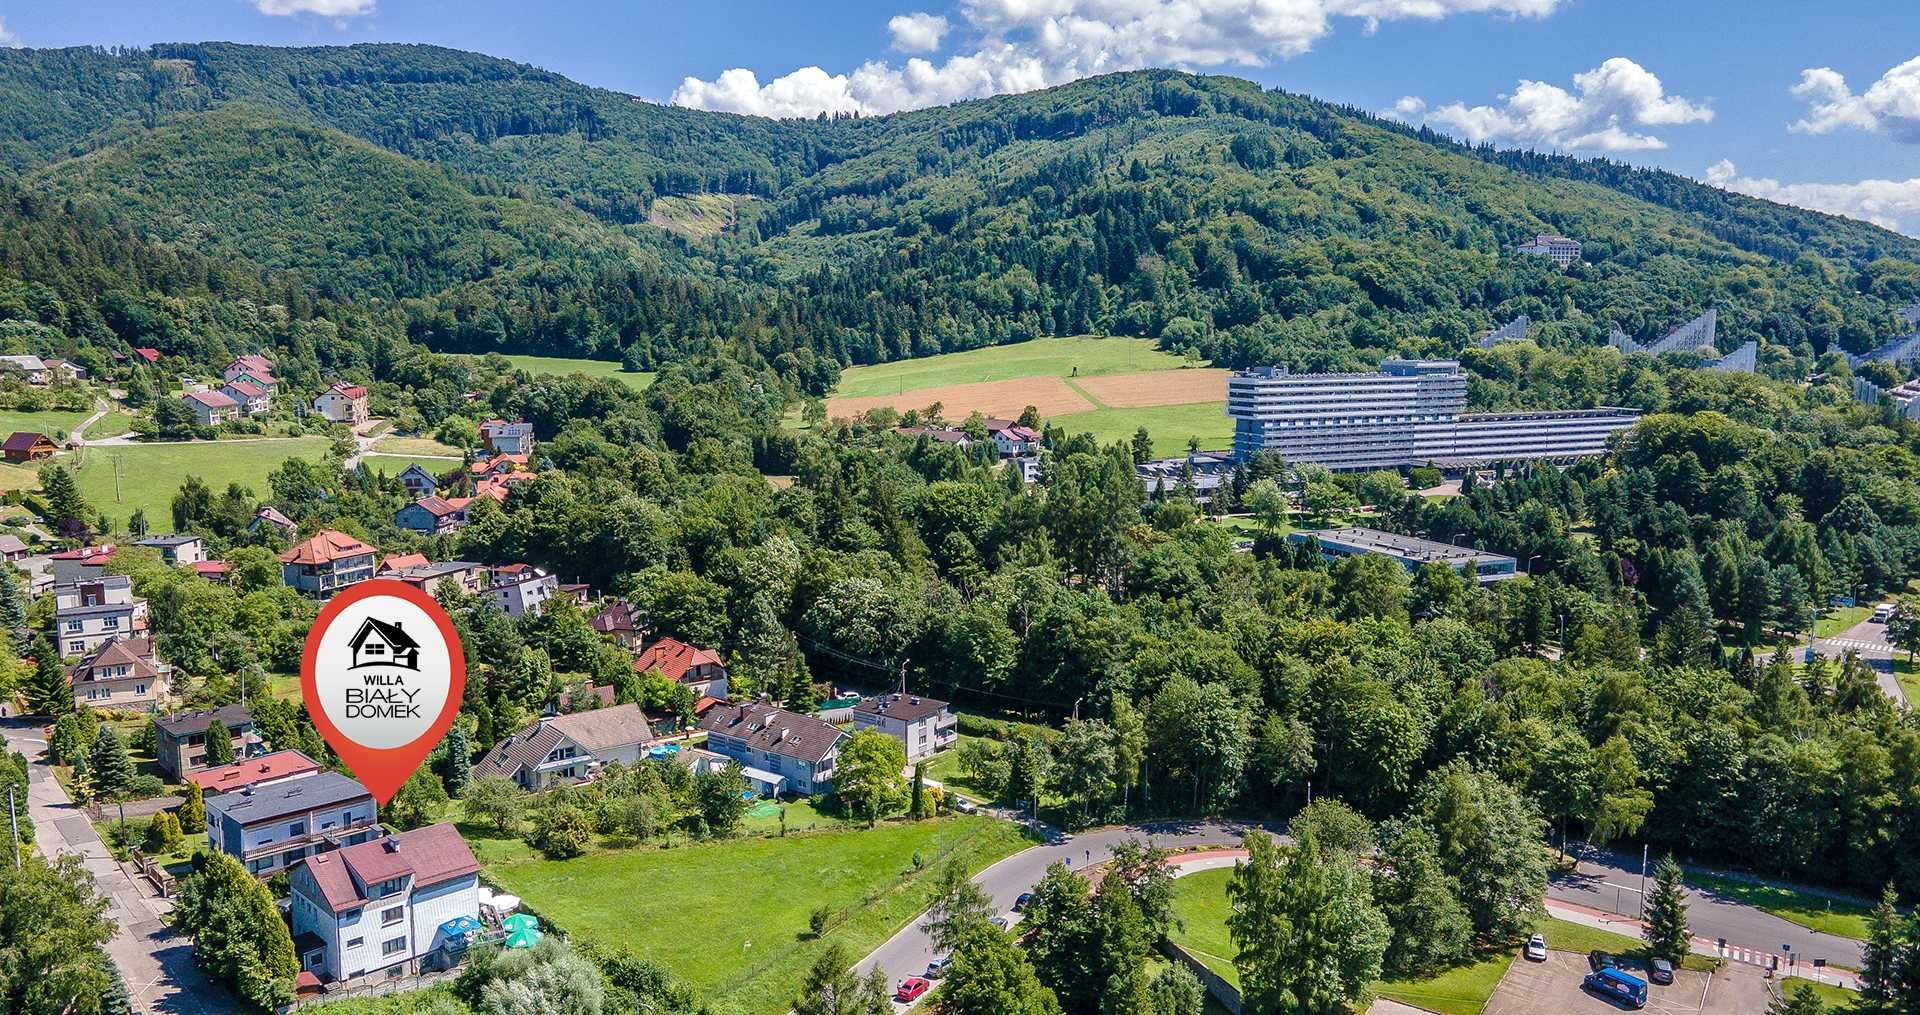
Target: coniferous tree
point(459, 761)
point(1882, 951)
point(219, 745)
point(193, 810)
point(1666, 930)
point(112, 767)
point(13, 611)
point(48, 692)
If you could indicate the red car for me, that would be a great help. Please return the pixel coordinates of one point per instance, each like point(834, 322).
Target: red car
point(910, 989)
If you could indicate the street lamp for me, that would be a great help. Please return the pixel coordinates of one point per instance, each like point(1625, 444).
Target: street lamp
point(1530, 561)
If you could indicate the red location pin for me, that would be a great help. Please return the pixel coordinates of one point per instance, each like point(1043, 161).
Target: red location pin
point(383, 676)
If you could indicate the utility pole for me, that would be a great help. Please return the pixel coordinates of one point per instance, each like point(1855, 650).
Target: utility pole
point(13, 821)
point(1643, 878)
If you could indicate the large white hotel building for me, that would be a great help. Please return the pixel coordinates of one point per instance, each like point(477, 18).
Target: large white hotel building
point(1406, 413)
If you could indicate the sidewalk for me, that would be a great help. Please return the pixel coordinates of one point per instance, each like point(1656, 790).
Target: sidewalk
point(1589, 917)
point(156, 962)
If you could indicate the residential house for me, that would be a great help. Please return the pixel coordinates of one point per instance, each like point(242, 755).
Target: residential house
point(253, 399)
point(431, 515)
point(211, 570)
point(178, 550)
point(252, 364)
point(211, 408)
point(498, 465)
point(519, 589)
point(618, 618)
point(32, 369)
point(123, 673)
point(568, 748)
point(418, 481)
point(327, 563)
point(82, 563)
point(13, 548)
point(88, 614)
point(397, 903)
point(66, 369)
point(181, 743)
point(1012, 439)
point(147, 354)
point(273, 826)
point(399, 562)
point(923, 725)
point(780, 751)
point(465, 575)
point(26, 446)
point(504, 438)
point(699, 668)
point(270, 515)
point(939, 434)
point(343, 403)
point(265, 770)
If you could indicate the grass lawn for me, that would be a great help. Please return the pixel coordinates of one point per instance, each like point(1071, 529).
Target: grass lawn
point(437, 998)
point(604, 368)
point(421, 446)
point(1909, 678)
point(393, 465)
point(1200, 901)
point(1838, 619)
point(1462, 990)
point(1837, 999)
point(1084, 356)
point(1170, 426)
point(1814, 912)
point(944, 768)
point(55, 423)
point(1566, 936)
point(801, 816)
point(731, 917)
point(150, 474)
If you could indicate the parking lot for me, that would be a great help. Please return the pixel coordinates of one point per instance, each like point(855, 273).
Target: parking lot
point(1554, 986)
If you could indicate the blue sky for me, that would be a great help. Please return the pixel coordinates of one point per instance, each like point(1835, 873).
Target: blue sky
point(1811, 103)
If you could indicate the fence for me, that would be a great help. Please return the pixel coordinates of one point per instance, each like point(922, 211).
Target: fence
point(375, 985)
point(155, 874)
point(1226, 993)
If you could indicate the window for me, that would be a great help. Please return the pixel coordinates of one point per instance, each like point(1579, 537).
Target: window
point(139, 688)
point(73, 626)
point(297, 828)
point(394, 947)
point(392, 916)
point(356, 942)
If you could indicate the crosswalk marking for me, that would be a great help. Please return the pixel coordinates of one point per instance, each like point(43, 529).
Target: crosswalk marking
point(1874, 646)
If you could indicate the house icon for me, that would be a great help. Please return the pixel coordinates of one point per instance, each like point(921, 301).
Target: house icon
point(378, 643)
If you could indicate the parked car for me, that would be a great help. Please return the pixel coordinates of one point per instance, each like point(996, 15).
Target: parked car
point(1617, 985)
point(965, 806)
point(910, 989)
point(1537, 948)
point(938, 967)
point(1020, 904)
point(1659, 970)
point(1599, 960)
point(1000, 923)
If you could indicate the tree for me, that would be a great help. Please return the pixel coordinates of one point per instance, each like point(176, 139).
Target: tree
point(1666, 914)
point(1802, 1000)
point(1176, 991)
point(1370, 585)
point(459, 760)
point(112, 767)
point(1310, 940)
point(54, 928)
point(1621, 802)
point(1488, 838)
point(1903, 627)
point(67, 510)
point(1062, 938)
point(830, 987)
point(1421, 902)
point(959, 907)
point(193, 809)
point(418, 801)
point(1142, 446)
point(560, 830)
point(1084, 771)
point(219, 746)
point(867, 776)
point(722, 798)
point(990, 975)
point(238, 935)
point(49, 692)
point(1268, 504)
point(164, 833)
point(13, 611)
point(496, 799)
point(1881, 964)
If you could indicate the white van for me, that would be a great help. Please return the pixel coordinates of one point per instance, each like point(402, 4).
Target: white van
point(1882, 613)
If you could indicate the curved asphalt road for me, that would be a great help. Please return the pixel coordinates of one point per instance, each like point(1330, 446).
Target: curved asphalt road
point(908, 952)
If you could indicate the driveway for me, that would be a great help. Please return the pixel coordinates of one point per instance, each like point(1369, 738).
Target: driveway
point(908, 952)
point(156, 962)
point(1870, 641)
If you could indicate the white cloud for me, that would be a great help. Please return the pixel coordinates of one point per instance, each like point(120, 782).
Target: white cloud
point(323, 8)
point(1890, 105)
point(1609, 110)
point(1020, 45)
point(918, 32)
point(7, 38)
point(1894, 204)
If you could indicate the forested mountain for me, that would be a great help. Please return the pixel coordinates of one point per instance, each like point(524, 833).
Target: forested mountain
point(509, 208)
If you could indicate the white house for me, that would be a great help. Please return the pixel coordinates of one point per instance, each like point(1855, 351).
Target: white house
point(418, 481)
point(178, 551)
point(396, 901)
point(343, 403)
point(775, 747)
point(504, 438)
point(522, 589)
point(211, 408)
point(565, 748)
point(271, 827)
point(922, 725)
point(87, 615)
point(252, 398)
point(33, 368)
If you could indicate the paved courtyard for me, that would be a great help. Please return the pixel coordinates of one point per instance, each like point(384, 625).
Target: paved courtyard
point(1554, 986)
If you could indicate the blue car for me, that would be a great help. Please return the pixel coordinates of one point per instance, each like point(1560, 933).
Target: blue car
point(1618, 985)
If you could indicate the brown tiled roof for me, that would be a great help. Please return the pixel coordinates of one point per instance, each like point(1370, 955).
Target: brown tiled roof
point(23, 440)
point(439, 507)
point(247, 388)
point(433, 854)
point(614, 617)
point(136, 653)
point(774, 730)
point(271, 515)
point(210, 399)
point(327, 546)
point(905, 707)
point(401, 561)
point(596, 731)
point(672, 658)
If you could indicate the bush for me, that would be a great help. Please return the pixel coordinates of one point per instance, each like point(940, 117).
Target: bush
point(145, 786)
point(561, 831)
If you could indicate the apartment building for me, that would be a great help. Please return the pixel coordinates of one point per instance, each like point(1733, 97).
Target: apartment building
point(88, 614)
point(1561, 250)
point(781, 751)
point(1410, 552)
point(273, 826)
point(395, 901)
point(327, 563)
point(923, 725)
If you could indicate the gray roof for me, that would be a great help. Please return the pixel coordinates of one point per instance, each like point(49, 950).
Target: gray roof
point(774, 730)
point(182, 724)
point(904, 707)
point(169, 540)
point(295, 796)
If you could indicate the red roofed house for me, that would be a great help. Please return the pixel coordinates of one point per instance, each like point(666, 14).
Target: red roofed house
point(431, 516)
point(264, 770)
point(343, 403)
point(401, 561)
point(82, 563)
point(327, 563)
point(211, 408)
point(252, 363)
point(148, 355)
point(270, 515)
point(211, 570)
point(26, 446)
point(500, 464)
point(1012, 439)
point(396, 901)
point(253, 399)
point(699, 668)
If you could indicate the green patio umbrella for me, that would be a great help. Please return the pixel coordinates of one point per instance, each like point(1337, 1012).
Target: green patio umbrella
point(523, 931)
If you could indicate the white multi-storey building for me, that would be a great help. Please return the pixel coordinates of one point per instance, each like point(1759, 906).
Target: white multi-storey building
point(1406, 413)
point(395, 901)
point(88, 614)
point(923, 726)
point(1561, 250)
point(271, 827)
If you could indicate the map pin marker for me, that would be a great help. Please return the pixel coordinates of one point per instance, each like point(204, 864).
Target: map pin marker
point(383, 675)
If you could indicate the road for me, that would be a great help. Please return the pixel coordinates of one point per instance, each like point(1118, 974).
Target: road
point(908, 952)
point(1870, 641)
point(156, 962)
point(1611, 883)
